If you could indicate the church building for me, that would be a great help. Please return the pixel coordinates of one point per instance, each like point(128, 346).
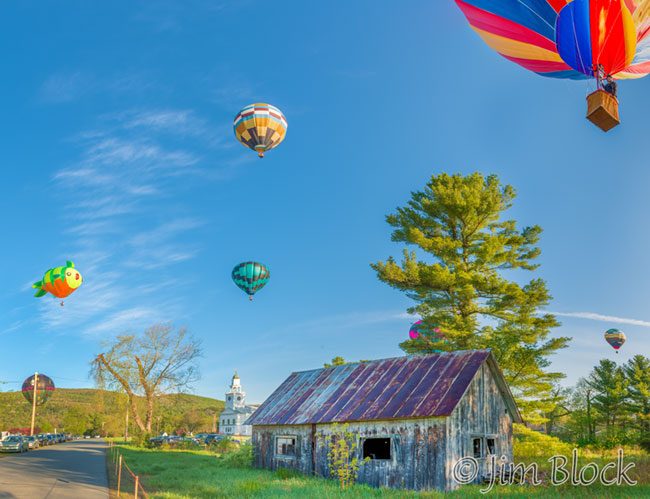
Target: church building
point(231, 421)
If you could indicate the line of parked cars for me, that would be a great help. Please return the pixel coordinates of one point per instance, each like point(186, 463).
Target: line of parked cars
point(198, 440)
point(23, 443)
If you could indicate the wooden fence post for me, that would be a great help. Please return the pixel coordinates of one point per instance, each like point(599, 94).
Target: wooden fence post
point(137, 483)
point(119, 476)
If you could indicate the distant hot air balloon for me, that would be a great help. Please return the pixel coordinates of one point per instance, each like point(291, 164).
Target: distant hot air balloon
point(44, 389)
point(260, 127)
point(59, 281)
point(615, 338)
point(250, 277)
point(576, 39)
point(418, 328)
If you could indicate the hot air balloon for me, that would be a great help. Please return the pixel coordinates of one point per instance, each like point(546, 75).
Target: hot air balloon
point(44, 389)
point(59, 281)
point(418, 328)
point(250, 277)
point(577, 39)
point(260, 127)
point(615, 338)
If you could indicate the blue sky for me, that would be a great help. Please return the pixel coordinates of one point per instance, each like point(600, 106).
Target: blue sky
point(118, 154)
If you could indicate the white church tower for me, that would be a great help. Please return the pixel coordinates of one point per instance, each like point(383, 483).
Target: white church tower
point(231, 421)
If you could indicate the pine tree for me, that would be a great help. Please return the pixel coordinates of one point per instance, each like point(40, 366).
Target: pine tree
point(460, 286)
point(610, 401)
point(637, 372)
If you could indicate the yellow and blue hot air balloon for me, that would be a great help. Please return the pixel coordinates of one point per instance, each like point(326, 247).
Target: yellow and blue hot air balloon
point(250, 277)
point(260, 127)
point(615, 338)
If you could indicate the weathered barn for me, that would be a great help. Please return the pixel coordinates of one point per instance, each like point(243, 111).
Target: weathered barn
point(415, 417)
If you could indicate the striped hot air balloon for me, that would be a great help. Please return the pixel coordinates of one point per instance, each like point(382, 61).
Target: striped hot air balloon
point(574, 39)
point(44, 389)
point(564, 38)
point(250, 277)
point(615, 338)
point(260, 127)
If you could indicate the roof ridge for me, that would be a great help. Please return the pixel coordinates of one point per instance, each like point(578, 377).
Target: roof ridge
point(453, 352)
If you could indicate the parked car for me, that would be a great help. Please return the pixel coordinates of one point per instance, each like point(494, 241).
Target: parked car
point(213, 438)
point(14, 443)
point(51, 439)
point(32, 442)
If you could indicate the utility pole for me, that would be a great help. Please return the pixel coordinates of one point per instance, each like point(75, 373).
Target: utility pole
point(214, 423)
point(31, 432)
point(126, 424)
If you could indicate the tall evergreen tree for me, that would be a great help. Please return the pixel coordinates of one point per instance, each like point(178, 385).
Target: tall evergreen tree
point(637, 371)
point(460, 285)
point(610, 401)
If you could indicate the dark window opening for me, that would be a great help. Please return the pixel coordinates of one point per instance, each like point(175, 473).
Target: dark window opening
point(285, 446)
point(476, 446)
point(490, 445)
point(376, 448)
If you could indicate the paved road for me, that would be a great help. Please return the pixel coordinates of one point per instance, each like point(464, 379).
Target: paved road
point(71, 470)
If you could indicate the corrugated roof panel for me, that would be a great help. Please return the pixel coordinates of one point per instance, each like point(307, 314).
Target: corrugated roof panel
point(403, 387)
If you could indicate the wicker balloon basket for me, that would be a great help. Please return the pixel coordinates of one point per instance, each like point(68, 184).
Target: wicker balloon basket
point(602, 110)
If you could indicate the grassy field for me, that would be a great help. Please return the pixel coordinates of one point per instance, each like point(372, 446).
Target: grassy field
point(180, 474)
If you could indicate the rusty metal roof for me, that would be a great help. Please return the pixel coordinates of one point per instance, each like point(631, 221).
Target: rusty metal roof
point(402, 387)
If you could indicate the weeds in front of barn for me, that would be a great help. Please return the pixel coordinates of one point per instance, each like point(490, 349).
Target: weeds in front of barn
point(185, 474)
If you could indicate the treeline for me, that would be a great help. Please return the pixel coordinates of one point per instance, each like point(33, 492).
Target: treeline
point(610, 407)
point(102, 412)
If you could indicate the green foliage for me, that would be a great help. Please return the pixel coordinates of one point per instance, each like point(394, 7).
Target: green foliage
point(242, 457)
point(609, 408)
point(102, 412)
point(336, 361)
point(225, 445)
point(457, 223)
point(530, 443)
point(342, 457)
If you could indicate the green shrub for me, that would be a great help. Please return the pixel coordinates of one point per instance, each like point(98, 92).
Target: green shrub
point(530, 443)
point(240, 458)
point(224, 446)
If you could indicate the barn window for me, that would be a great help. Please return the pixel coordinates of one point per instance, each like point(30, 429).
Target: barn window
point(285, 446)
point(476, 447)
point(376, 448)
point(489, 442)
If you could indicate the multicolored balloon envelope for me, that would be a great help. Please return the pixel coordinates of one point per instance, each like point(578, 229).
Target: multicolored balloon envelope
point(615, 338)
point(44, 389)
point(260, 127)
point(59, 281)
point(565, 38)
point(418, 328)
point(250, 277)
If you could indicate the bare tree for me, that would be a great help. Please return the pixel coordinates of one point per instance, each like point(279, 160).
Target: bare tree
point(159, 360)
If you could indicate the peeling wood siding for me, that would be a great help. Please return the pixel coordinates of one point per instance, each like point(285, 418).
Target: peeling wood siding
point(417, 451)
point(481, 411)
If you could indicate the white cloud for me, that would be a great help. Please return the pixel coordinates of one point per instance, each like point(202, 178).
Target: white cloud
point(603, 318)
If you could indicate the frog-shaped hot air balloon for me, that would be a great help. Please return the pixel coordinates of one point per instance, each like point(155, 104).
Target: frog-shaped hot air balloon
point(59, 281)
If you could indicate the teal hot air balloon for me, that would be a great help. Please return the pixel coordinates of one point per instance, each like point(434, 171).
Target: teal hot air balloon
point(250, 277)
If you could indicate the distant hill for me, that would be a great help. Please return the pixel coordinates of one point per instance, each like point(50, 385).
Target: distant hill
point(103, 412)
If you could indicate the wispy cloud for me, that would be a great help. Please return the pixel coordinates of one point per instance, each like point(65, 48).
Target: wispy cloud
point(127, 225)
point(603, 318)
point(68, 86)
